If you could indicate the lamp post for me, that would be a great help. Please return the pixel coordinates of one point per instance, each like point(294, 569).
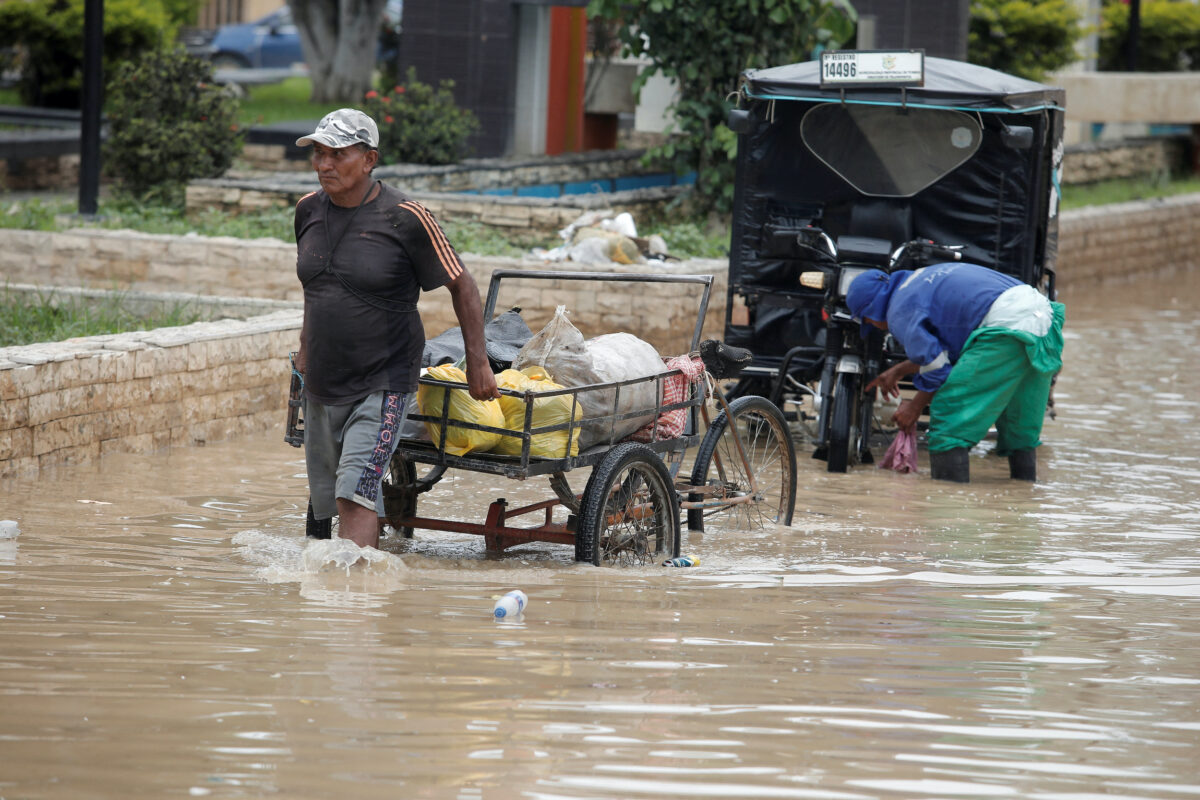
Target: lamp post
point(1135, 33)
point(89, 128)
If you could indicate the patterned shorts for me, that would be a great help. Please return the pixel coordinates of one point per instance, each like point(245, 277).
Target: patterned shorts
point(347, 449)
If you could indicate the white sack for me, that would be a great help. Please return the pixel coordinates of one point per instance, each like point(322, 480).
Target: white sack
point(561, 350)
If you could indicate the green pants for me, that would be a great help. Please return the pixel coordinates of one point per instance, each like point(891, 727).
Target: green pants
point(1002, 377)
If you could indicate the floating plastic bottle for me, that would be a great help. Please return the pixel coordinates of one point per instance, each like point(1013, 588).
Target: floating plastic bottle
point(510, 605)
point(682, 561)
point(9, 529)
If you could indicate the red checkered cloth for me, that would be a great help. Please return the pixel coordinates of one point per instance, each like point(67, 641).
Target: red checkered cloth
point(671, 424)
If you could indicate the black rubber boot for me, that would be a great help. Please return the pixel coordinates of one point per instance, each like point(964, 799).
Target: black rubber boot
point(317, 528)
point(1022, 465)
point(950, 465)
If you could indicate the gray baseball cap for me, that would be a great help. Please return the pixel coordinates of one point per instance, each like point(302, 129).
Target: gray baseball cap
point(343, 128)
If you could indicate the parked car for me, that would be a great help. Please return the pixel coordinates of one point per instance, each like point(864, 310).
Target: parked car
point(273, 41)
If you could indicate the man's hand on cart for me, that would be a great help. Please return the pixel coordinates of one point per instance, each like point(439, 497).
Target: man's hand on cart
point(481, 382)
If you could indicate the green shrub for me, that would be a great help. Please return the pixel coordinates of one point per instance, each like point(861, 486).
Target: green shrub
point(704, 46)
point(1023, 37)
point(1169, 38)
point(47, 39)
point(419, 124)
point(168, 124)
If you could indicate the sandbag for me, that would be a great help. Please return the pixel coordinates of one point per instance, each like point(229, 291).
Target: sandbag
point(464, 408)
point(556, 410)
point(573, 361)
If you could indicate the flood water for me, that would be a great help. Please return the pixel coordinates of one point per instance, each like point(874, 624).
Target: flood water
point(165, 633)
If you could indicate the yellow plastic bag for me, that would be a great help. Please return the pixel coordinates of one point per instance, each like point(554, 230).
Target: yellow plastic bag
point(464, 408)
point(546, 411)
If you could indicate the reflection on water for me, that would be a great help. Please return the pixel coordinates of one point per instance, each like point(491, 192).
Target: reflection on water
point(165, 630)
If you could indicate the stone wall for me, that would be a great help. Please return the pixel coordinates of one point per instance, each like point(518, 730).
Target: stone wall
point(469, 174)
point(1114, 243)
point(104, 259)
point(1100, 161)
point(73, 401)
point(266, 269)
point(527, 215)
point(76, 400)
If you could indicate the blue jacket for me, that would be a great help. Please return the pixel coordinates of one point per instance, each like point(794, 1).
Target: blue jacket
point(935, 309)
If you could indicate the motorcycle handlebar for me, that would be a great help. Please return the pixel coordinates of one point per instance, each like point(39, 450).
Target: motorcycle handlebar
point(923, 250)
point(945, 252)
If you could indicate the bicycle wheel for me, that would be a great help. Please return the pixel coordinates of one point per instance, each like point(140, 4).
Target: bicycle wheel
point(843, 424)
point(770, 458)
point(629, 515)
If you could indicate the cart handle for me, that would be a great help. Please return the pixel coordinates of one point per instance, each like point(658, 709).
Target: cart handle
point(489, 307)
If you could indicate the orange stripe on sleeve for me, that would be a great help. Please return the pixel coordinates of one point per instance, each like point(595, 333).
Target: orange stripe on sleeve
point(446, 255)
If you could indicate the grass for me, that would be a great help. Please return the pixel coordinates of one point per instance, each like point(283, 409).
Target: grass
point(280, 102)
point(58, 215)
point(47, 317)
point(1123, 190)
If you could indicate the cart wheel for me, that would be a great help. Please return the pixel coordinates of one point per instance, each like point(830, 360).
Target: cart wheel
point(843, 423)
point(400, 487)
point(629, 515)
point(764, 434)
point(317, 528)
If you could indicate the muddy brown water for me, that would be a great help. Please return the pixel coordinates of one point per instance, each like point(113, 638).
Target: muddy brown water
point(164, 632)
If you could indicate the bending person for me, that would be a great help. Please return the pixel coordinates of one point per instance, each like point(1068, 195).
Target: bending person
point(364, 253)
point(983, 348)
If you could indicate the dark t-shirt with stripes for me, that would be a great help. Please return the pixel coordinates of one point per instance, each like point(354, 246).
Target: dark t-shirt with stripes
point(364, 333)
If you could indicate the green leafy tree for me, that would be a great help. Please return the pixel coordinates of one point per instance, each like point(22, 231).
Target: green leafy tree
point(1169, 37)
point(419, 124)
point(46, 37)
point(704, 46)
point(168, 124)
point(1024, 37)
point(182, 12)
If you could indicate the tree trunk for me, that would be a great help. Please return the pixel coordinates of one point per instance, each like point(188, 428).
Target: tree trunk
point(340, 39)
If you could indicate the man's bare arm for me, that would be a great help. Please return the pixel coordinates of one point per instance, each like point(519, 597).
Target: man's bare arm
point(465, 295)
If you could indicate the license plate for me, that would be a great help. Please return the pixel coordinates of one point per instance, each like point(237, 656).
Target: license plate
point(873, 67)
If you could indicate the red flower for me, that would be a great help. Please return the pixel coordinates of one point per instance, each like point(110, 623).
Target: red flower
point(389, 119)
point(399, 90)
point(387, 99)
point(371, 95)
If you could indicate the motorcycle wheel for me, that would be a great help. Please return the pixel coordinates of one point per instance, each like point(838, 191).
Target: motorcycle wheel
point(843, 427)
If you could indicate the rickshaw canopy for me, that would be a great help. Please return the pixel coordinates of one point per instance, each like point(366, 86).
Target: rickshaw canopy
point(948, 84)
point(969, 158)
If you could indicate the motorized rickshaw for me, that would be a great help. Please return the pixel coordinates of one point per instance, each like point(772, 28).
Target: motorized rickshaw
point(885, 160)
